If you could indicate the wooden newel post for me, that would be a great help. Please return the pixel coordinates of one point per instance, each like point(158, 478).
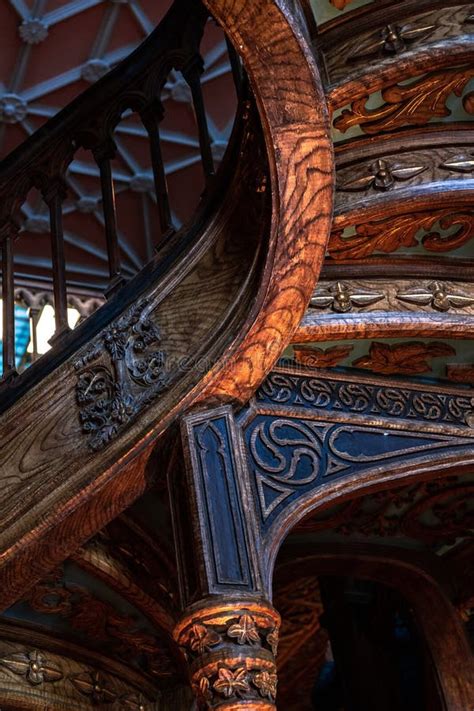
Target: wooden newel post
point(230, 646)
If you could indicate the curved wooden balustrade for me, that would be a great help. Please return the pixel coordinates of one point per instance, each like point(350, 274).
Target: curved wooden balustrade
point(205, 320)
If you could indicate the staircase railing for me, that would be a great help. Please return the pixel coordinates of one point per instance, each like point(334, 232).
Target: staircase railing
point(42, 161)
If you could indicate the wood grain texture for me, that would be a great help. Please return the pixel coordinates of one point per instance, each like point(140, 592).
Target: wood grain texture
point(293, 112)
point(233, 298)
point(316, 327)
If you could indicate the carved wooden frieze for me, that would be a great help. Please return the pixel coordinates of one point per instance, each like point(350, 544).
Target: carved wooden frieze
point(357, 396)
point(289, 457)
point(437, 231)
point(403, 105)
point(388, 40)
point(372, 176)
point(120, 374)
point(56, 680)
point(364, 295)
point(436, 512)
point(304, 437)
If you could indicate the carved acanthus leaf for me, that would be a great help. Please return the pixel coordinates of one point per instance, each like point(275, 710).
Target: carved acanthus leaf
point(403, 358)
point(201, 638)
point(389, 235)
point(407, 105)
point(266, 683)
point(320, 357)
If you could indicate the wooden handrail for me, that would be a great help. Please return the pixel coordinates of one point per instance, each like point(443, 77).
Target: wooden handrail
point(88, 123)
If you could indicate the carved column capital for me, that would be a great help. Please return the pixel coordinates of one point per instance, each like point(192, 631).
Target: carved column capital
point(230, 646)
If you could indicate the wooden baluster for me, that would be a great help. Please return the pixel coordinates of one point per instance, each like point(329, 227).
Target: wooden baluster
point(103, 154)
point(236, 66)
point(192, 75)
point(151, 116)
point(53, 196)
point(7, 235)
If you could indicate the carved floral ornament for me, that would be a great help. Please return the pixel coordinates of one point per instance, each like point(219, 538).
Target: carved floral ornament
point(413, 104)
point(410, 358)
point(130, 374)
point(389, 235)
point(37, 669)
point(233, 655)
point(343, 297)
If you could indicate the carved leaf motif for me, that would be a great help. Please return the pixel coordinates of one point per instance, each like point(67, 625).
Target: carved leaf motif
point(92, 684)
point(244, 631)
point(320, 357)
point(266, 683)
point(403, 358)
point(411, 105)
point(134, 702)
point(390, 235)
point(462, 373)
point(273, 639)
point(201, 639)
point(33, 666)
point(229, 683)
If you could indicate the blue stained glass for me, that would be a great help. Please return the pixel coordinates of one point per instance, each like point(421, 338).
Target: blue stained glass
point(22, 335)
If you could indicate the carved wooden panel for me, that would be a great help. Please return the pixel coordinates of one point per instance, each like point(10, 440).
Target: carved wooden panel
point(388, 39)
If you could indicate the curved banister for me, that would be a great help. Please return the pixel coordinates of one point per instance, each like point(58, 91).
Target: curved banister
point(205, 320)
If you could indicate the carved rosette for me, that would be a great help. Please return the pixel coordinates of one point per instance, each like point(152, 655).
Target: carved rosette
point(231, 649)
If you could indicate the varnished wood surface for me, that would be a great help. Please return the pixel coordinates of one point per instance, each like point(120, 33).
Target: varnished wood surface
point(56, 492)
point(314, 327)
point(293, 111)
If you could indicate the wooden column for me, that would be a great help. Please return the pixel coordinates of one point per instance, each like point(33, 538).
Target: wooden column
point(230, 645)
point(230, 635)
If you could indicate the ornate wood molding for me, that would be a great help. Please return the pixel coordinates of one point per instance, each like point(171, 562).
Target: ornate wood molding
point(231, 648)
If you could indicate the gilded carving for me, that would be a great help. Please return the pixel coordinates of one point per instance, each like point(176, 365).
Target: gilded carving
point(407, 105)
point(241, 665)
point(266, 683)
point(403, 358)
point(403, 231)
point(111, 394)
point(34, 666)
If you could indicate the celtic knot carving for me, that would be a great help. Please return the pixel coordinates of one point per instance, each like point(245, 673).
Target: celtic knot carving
point(289, 457)
point(335, 395)
point(110, 393)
